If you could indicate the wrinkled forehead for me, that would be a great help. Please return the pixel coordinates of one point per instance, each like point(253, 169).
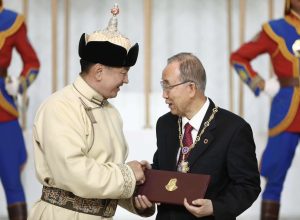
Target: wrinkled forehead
point(171, 72)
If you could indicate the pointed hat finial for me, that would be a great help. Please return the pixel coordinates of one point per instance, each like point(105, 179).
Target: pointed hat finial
point(111, 33)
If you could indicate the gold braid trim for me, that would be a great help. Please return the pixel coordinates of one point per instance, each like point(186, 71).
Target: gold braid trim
point(65, 199)
point(17, 24)
point(27, 79)
point(293, 22)
point(280, 41)
point(288, 119)
point(128, 186)
point(7, 106)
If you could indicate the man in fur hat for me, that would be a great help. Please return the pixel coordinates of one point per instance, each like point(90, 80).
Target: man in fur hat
point(80, 149)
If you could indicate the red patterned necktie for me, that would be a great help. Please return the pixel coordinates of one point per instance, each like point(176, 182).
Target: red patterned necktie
point(187, 140)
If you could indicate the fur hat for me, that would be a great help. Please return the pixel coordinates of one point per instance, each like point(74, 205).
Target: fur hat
point(108, 47)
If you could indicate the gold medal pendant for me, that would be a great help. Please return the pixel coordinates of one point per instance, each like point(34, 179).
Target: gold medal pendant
point(184, 166)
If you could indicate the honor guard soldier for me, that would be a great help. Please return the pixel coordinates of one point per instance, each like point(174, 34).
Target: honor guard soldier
point(278, 38)
point(13, 35)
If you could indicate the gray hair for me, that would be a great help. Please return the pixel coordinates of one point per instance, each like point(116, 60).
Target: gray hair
point(191, 69)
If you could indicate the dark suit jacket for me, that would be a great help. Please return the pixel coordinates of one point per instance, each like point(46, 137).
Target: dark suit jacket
point(228, 156)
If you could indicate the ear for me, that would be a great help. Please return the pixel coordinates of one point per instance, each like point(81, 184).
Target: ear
point(98, 75)
point(193, 89)
point(98, 70)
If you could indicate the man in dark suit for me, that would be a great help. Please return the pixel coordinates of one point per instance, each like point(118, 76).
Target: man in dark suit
point(220, 144)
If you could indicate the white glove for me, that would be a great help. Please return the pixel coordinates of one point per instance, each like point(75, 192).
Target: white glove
point(12, 85)
point(272, 86)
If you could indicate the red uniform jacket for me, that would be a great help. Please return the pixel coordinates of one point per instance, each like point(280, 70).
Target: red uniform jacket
point(276, 39)
point(13, 34)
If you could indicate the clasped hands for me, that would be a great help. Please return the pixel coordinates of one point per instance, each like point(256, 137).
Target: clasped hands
point(138, 169)
point(141, 202)
point(198, 207)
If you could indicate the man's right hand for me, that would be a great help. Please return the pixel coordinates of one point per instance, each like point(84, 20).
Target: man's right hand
point(138, 171)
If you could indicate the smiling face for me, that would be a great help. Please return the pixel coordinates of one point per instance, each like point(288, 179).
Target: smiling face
point(112, 78)
point(106, 80)
point(178, 98)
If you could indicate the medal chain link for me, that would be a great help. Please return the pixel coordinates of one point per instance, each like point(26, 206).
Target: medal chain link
point(206, 124)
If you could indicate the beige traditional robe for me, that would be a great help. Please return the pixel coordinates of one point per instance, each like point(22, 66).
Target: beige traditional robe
point(79, 150)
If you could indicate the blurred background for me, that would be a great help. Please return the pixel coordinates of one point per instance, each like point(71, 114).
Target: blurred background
point(208, 28)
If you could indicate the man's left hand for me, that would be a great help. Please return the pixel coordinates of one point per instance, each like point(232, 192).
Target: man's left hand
point(199, 207)
point(141, 202)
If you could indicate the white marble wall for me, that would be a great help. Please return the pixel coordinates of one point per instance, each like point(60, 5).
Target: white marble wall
point(198, 26)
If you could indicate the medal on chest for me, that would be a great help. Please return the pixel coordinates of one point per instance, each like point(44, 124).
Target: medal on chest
point(183, 165)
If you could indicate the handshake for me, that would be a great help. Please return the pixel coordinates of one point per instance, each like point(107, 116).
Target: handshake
point(141, 202)
point(138, 169)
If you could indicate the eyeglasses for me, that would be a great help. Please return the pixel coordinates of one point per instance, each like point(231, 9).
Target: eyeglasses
point(166, 87)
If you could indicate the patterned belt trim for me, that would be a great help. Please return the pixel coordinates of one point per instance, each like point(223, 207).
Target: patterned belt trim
point(289, 81)
point(3, 72)
point(65, 199)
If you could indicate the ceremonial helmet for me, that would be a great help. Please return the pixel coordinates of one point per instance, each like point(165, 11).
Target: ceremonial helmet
point(287, 7)
point(108, 47)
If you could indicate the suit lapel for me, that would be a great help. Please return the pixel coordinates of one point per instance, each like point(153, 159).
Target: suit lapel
point(206, 139)
point(172, 145)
